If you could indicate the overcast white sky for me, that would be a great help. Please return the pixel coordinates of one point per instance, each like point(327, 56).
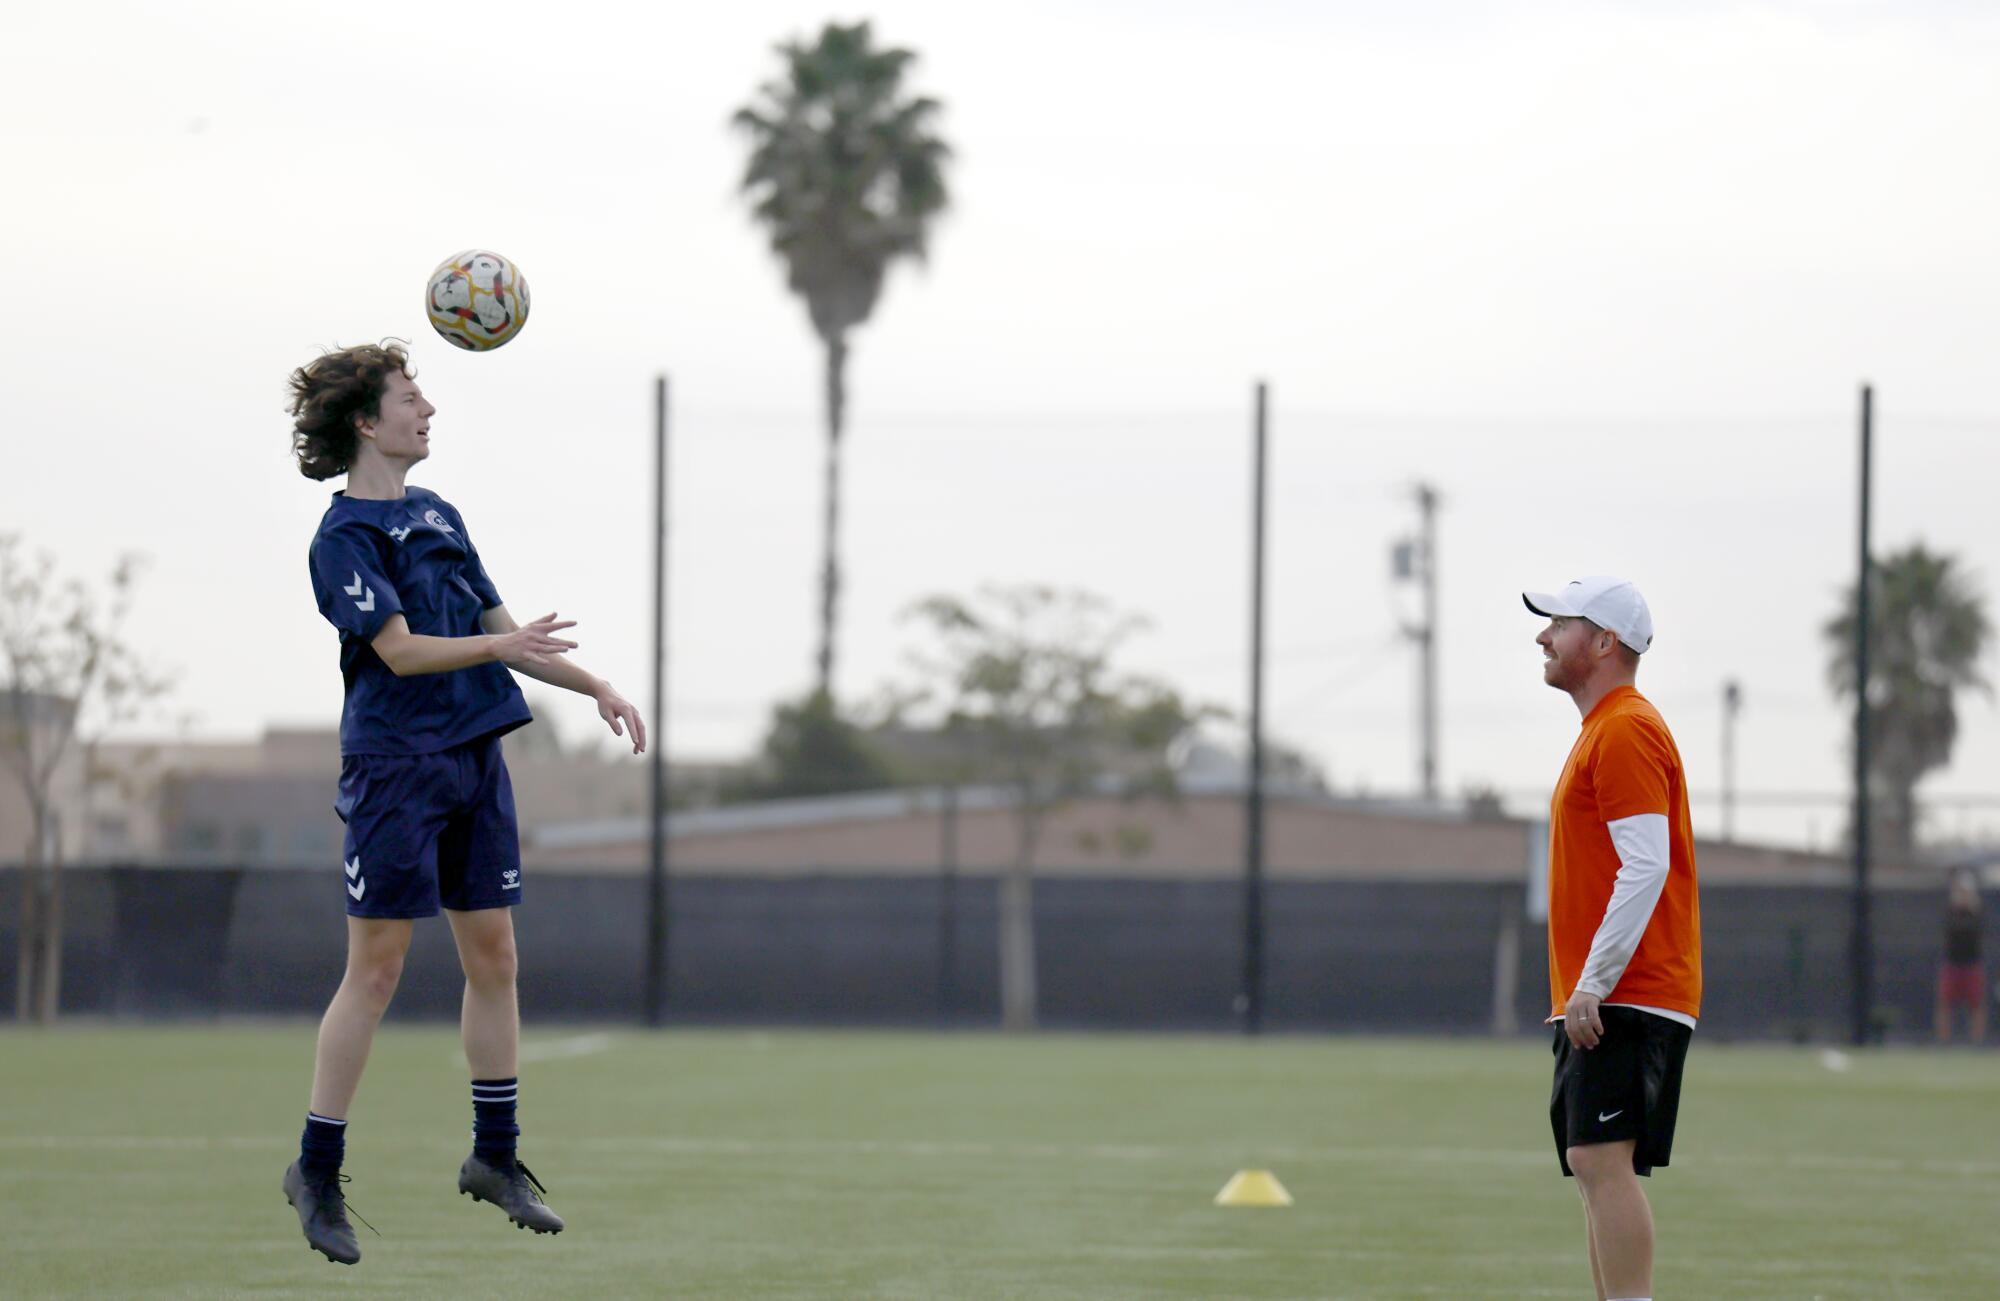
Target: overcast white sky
point(1608, 274)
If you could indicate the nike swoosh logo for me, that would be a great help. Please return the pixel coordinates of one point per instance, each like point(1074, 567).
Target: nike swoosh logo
point(1603, 1116)
point(358, 889)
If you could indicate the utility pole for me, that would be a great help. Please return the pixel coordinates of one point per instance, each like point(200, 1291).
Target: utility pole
point(1251, 1000)
point(1862, 941)
point(1732, 705)
point(1415, 560)
point(656, 876)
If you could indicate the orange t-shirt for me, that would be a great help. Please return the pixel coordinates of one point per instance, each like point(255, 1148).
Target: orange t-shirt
point(1623, 764)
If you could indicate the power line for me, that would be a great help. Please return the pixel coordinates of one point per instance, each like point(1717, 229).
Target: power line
point(1345, 681)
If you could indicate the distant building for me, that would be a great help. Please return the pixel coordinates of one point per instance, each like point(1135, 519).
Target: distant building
point(269, 802)
point(35, 722)
point(1309, 834)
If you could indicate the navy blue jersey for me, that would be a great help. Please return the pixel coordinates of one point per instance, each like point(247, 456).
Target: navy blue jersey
point(410, 556)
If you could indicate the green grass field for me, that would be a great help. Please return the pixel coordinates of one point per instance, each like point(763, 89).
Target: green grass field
point(145, 1161)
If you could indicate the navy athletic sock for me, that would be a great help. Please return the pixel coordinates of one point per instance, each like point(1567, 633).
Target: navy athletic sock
point(493, 1127)
point(324, 1144)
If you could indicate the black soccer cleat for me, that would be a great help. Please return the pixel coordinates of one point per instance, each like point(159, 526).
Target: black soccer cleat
point(514, 1189)
point(322, 1209)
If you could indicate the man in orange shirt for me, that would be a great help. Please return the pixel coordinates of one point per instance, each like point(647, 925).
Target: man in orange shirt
point(1624, 926)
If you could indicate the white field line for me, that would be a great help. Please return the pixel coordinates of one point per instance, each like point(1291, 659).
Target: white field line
point(690, 1145)
point(551, 1050)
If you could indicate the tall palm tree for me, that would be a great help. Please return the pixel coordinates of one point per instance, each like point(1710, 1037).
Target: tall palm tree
point(1927, 629)
point(846, 175)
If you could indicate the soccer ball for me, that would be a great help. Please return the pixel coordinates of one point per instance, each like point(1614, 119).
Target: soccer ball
point(477, 300)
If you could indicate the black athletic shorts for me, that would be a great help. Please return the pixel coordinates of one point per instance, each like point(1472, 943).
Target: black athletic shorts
point(1629, 1086)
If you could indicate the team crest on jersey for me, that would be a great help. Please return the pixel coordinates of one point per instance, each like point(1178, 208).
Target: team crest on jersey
point(436, 521)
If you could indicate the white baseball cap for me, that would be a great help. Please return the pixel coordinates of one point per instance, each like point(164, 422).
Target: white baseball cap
point(1610, 603)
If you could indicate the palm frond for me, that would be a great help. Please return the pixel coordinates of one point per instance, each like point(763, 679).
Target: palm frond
point(845, 174)
point(1927, 633)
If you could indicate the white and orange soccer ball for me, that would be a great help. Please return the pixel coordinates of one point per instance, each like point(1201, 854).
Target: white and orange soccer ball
point(477, 300)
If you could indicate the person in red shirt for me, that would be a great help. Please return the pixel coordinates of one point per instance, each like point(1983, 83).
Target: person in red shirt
point(1624, 925)
point(1962, 977)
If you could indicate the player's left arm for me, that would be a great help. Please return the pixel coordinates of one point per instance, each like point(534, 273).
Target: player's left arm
point(621, 714)
point(1644, 858)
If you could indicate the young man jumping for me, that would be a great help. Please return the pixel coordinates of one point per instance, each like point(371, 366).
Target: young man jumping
point(425, 649)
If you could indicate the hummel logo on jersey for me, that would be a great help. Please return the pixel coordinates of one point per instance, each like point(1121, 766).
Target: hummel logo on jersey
point(511, 879)
point(401, 533)
point(436, 521)
point(364, 603)
point(355, 885)
point(1603, 1116)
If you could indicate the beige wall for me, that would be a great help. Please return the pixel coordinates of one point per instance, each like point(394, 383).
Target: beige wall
point(125, 814)
point(1200, 838)
point(127, 806)
point(573, 790)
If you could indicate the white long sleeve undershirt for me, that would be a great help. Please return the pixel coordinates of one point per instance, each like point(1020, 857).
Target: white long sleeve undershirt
point(1644, 857)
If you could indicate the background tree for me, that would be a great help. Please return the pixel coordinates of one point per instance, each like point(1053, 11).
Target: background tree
point(1927, 631)
point(1024, 681)
point(70, 678)
point(846, 175)
point(811, 749)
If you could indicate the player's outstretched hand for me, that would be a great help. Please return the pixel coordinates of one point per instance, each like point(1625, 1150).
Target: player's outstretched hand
point(623, 716)
point(536, 643)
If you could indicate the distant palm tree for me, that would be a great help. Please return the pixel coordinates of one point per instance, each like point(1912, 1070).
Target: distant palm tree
point(1927, 630)
point(846, 174)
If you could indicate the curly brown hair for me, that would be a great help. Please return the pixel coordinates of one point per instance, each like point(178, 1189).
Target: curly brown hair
point(332, 392)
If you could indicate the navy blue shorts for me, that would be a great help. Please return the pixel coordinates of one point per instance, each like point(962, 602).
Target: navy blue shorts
point(426, 831)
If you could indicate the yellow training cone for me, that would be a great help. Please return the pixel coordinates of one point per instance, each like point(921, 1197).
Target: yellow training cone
point(1253, 1188)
